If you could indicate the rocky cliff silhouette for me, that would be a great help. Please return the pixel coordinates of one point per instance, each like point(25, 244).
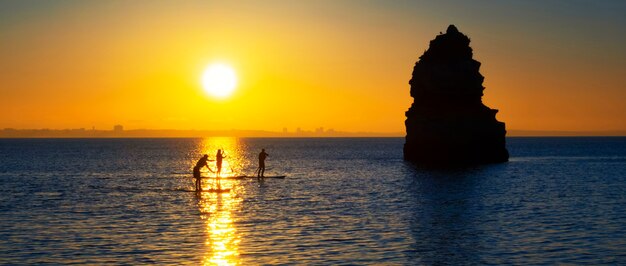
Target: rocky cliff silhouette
point(448, 124)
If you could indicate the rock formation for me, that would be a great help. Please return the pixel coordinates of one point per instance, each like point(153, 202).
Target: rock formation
point(448, 124)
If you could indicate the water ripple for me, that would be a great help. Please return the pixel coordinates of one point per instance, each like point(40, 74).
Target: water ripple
point(345, 201)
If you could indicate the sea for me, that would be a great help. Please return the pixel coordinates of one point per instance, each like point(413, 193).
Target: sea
point(344, 201)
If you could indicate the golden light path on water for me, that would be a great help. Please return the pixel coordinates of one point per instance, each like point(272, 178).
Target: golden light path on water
point(222, 240)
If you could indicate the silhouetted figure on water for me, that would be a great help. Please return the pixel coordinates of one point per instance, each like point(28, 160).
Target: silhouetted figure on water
point(262, 156)
point(218, 161)
point(196, 170)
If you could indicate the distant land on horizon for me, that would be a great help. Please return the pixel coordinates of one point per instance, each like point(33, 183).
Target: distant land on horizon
point(319, 132)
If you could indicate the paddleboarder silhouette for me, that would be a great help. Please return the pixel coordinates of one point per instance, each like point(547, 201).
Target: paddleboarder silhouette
point(262, 156)
point(218, 161)
point(196, 170)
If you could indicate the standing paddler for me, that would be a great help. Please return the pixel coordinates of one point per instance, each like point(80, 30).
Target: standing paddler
point(218, 162)
point(261, 171)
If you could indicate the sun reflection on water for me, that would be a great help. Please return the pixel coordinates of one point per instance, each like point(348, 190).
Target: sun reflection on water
point(222, 240)
point(217, 209)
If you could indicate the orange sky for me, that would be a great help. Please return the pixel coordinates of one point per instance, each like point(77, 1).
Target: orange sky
point(336, 64)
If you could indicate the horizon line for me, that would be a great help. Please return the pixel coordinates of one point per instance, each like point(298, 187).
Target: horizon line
point(317, 133)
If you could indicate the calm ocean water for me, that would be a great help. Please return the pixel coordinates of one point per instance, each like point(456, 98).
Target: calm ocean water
point(345, 201)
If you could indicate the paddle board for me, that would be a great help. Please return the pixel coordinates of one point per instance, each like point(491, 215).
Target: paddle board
point(224, 190)
point(270, 176)
point(246, 176)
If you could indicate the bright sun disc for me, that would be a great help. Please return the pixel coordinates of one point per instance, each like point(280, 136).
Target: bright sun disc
point(219, 80)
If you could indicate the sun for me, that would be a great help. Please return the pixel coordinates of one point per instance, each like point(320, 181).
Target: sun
point(219, 80)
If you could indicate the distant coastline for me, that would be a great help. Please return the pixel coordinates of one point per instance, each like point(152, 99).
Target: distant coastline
point(173, 133)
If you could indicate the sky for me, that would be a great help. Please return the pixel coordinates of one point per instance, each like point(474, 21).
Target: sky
point(548, 65)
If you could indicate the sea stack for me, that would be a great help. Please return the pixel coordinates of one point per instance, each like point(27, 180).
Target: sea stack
point(448, 124)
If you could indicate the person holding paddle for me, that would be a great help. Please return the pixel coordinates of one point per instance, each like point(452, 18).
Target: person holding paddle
point(196, 170)
point(218, 161)
point(262, 156)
